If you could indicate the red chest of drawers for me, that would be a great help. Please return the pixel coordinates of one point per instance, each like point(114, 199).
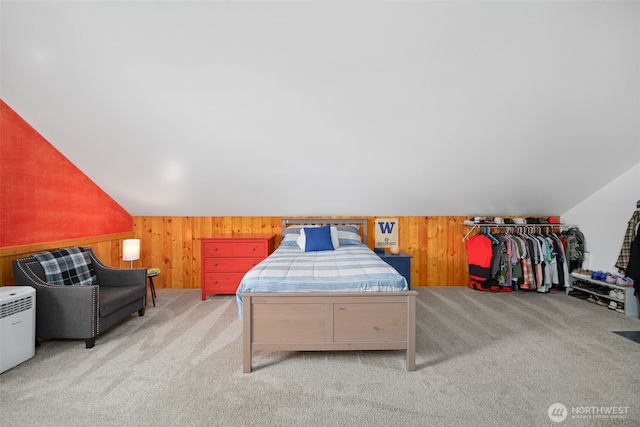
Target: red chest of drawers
point(226, 259)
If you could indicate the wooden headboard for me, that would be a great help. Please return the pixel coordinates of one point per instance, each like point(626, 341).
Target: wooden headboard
point(360, 222)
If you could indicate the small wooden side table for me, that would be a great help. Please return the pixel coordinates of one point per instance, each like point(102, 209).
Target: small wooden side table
point(151, 273)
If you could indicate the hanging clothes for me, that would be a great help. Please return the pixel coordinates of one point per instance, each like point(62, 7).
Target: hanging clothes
point(523, 260)
point(479, 256)
point(628, 262)
point(575, 247)
point(529, 281)
point(629, 236)
point(633, 267)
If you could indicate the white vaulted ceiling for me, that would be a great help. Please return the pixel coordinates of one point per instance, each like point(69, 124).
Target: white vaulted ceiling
point(332, 108)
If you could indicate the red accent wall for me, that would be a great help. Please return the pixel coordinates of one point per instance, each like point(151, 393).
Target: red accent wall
point(43, 196)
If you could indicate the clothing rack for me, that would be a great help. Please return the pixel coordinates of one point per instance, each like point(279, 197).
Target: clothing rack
point(528, 256)
point(530, 228)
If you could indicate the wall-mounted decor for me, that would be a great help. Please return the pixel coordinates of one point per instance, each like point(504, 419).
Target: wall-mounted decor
point(386, 232)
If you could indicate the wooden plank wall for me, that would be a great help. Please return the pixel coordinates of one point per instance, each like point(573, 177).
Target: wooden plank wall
point(173, 245)
point(108, 248)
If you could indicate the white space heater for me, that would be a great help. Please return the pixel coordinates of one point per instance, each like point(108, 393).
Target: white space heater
point(17, 325)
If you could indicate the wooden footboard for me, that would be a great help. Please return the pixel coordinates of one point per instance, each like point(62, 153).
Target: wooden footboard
point(316, 321)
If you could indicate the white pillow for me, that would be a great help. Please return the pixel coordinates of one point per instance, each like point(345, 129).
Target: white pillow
point(302, 238)
point(334, 238)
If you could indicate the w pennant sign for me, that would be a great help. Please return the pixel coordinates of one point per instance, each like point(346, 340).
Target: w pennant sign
point(386, 232)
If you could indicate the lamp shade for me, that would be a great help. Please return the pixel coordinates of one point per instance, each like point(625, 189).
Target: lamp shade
point(131, 249)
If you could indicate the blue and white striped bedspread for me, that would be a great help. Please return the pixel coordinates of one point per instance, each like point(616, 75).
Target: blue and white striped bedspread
point(354, 268)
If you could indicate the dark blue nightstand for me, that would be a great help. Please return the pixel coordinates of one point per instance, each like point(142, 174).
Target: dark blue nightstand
point(401, 262)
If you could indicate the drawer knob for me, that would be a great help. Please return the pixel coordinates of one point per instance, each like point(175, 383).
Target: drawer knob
point(253, 249)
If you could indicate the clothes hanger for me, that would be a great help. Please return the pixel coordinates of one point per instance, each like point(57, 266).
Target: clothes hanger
point(488, 234)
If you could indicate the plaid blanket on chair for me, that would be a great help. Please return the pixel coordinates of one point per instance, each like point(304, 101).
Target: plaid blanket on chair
point(71, 266)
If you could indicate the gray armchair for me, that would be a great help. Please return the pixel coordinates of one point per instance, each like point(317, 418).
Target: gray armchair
point(81, 311)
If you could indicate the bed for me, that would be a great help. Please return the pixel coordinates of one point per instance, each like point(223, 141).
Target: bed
point(326, 300)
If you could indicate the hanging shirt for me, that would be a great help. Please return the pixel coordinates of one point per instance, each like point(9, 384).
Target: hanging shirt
point(479, 256)
point(629, 235)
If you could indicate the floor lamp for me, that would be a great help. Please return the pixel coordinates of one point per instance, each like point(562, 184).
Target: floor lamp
point(131, 250)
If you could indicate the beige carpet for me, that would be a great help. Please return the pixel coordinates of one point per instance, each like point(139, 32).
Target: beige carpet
point(483, 360)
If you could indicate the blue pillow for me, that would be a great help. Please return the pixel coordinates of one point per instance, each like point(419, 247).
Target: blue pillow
point(318, 239)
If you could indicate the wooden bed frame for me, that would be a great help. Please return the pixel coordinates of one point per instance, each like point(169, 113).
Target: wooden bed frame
point(328, 321)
